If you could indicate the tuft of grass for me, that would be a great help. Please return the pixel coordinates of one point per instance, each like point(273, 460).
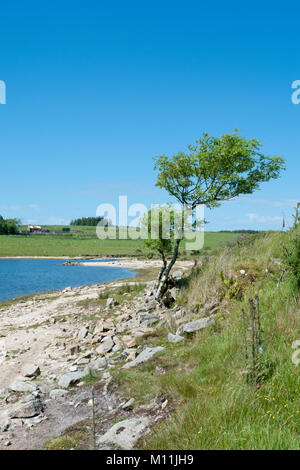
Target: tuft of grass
point(62, 443)
point(90, 378)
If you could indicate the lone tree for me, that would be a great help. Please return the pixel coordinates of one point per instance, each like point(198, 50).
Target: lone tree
point(214, 169)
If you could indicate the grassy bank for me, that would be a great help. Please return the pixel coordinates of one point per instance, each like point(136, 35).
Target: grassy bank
point(204, 376)
point(82, 241)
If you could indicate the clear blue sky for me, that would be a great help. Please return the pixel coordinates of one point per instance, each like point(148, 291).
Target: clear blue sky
point(96, 89)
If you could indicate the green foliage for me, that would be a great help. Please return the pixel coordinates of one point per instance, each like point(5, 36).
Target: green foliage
point(216, 169)
point(121, 290)
point(157, 220)
point(61, 443)
point(232, 285)
point(225, 412)
point(292, 258)
point(90, 221)
point(296, 216)
point(9, 226)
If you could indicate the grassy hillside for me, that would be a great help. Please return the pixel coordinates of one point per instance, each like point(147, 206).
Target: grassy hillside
point(205, 376)
point(82, 241)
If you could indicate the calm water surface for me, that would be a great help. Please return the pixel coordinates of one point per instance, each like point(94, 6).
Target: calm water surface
point(22, 277)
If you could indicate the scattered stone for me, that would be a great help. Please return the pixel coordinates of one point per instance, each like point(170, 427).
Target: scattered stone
point(128, 341)
point(58, 392)
point(83, 361)
point(195, 325)
point(74, 349)
point(174, 338)
point(126, 433)
point(128, 405)
point(117, 347)
point(20, 386)
point(35, 420)
point(82, 333)
point(5, 424)
point(179, 314)
point(106, 346)
point(99, 363)
point(31, 370)
point(32, 408)
point(164, 404)
point(148, 318)
point(144, 356)
point(111, 302)
point(68, 379)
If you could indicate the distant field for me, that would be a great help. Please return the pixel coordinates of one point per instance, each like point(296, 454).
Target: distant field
point(82, 241)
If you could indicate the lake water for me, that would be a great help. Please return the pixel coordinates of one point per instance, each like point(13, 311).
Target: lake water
point(21, 277)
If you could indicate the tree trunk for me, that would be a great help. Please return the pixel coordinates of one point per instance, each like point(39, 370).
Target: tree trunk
point(163, 268)
point(162, 287)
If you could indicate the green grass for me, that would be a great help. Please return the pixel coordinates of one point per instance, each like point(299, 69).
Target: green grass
point(82, 241)
point(203, 376)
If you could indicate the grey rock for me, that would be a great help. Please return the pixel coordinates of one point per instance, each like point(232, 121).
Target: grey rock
point(174, 338)
point(126, 433)
point(74, 349)
point(32, 408)
point(111, 302)
point(83, 360)
point(195, 325)
point(20, 386)
point(106, 346)
point(144, 356)
point(58, 392)
point(179, 314)
point(82, 333)
point(152, 304)
point(99, 363)
point(30, 370)
point(68, 379)
point(128, 405)
point(146, 318)
point(117, 347)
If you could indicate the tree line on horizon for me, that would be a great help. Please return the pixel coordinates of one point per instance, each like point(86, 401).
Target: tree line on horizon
point(8, 226)
point(90, 221)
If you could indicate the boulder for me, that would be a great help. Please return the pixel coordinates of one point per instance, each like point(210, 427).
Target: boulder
point(126, 433)
point(174, 338)
point(106, 346)
point(144, 356)
point(20, 386)
point(99, 363)
point(74, 349)
point(32, 408)
point(111, 302)
point(195, 325)
point(82, 333)
point(128, 341)
point(58, 392)
point(72, 377)
point(30, 370)
point(128, 405)
point(146, 318)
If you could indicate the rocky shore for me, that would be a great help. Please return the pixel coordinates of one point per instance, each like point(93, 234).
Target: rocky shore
point(57, 354)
